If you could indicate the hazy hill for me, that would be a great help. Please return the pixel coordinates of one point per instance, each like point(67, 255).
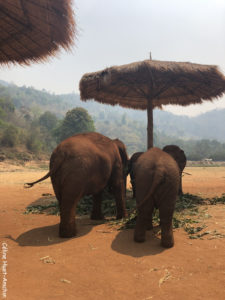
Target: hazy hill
point(206, 126)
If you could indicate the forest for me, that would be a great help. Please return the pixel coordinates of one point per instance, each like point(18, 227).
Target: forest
point(33, 122)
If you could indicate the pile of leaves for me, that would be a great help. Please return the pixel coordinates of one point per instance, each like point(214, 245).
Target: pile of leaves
point(187, 214)
point(49, 205)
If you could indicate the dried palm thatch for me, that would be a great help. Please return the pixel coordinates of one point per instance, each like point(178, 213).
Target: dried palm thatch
point(164, 82)
point(150, 83)
point(32, 30)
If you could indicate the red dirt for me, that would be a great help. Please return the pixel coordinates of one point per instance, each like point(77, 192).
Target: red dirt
point(101, 262)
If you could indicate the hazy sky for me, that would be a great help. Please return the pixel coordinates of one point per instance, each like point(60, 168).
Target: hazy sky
point(114, 32)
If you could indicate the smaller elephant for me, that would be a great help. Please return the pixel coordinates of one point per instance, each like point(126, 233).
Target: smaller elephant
point(130, 170)
point(180, 157)
point(157, 179)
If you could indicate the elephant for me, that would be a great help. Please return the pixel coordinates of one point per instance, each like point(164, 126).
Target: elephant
point(130, 170)
point(176, 152)
point(180, 157)
point(157, 179)
point(85, 164)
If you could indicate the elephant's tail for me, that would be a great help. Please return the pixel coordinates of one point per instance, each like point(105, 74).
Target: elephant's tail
point(30, 184)
point(157, 180)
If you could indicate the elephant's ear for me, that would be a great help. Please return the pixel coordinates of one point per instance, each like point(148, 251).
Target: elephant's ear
point(183, 155)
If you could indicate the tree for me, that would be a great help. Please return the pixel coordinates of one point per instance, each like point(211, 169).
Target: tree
point(76, 121)
point(10, 136)
point(6, 107)
point(48, 120)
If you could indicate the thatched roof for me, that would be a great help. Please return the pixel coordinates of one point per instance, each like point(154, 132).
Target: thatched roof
point(32, 30)
point(164, 82)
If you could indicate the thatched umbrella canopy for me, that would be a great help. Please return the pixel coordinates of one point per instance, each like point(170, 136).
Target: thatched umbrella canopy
point(32, 30)
point(150, 83)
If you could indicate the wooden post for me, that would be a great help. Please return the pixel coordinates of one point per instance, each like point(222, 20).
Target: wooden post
point(150, 122)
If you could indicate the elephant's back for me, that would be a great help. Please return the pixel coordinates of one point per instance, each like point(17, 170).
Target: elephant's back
point(156, 176)
point(85, 152)
point(156, 160)
point(84, 144)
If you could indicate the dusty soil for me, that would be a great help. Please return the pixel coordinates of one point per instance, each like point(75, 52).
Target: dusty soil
point(102, 262)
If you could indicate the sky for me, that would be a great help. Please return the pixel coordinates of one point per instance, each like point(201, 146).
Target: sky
point(115, 32)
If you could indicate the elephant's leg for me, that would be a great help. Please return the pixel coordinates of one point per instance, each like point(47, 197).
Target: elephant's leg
point(167, 239)
point(63, 226)
point(144, 222)
point(96, 210)
point(117, 185)
point(180, 191)
point(149, 221)
point(118, 192)
point(166, 216)
point(68, 202)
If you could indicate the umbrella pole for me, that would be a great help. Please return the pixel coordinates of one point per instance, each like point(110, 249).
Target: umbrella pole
point(150, 123)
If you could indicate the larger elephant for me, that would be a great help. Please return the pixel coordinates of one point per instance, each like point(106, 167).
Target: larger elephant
point(178, 154)
point(85, 164)
point(157, 180)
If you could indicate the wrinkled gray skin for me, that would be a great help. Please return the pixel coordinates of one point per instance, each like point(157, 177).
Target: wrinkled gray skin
point(85, 164)
point(178, 154)
point(157, 179)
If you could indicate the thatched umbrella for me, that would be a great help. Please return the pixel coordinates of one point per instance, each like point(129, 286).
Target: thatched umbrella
point(150, 83)
point(32, 30)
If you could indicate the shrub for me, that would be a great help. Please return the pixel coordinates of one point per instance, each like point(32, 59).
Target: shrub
point(10, 136)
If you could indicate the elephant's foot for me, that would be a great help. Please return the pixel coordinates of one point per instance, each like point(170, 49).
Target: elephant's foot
point(139, 239)
point(139, 235)
point(67, 231)
point(167, 243)
point(167, 239)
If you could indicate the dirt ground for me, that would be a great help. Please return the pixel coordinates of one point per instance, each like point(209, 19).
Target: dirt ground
point(102, 262)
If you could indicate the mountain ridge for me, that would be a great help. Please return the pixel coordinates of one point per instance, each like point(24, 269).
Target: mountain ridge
point(209, 125)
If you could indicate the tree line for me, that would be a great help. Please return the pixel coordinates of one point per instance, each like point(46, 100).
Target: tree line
point(38, 132)
point(21, 129)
